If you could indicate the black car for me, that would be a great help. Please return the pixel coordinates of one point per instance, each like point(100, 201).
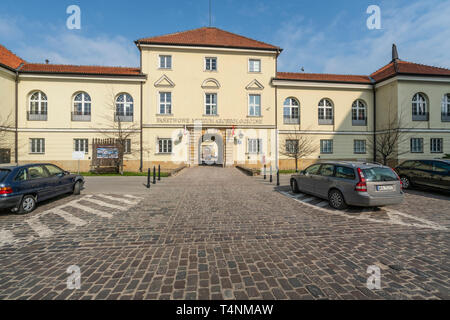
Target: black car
point(22, 187)
point(427, 173)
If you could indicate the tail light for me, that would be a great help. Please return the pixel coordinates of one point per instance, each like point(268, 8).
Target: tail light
point(361, 186)
point(6, 190)
point(401, 183)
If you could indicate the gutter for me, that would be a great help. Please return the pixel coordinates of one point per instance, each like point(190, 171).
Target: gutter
point(374, 120)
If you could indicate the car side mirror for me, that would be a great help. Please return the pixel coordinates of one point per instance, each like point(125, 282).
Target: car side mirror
point(302, 172)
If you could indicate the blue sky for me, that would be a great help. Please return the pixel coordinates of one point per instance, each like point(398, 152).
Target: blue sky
point(321, 36)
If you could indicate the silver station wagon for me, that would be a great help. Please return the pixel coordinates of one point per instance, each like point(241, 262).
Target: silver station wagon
point(350, 183)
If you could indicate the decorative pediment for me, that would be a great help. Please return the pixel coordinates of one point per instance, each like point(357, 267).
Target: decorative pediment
point(254, 85)
point(210, 84)
point(165, 82)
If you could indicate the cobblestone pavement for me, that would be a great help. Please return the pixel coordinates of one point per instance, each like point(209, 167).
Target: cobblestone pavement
point(213, 233)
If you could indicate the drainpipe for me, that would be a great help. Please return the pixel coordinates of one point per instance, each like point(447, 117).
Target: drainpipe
point(374, 123)
point(16, 133)
point(140, 132)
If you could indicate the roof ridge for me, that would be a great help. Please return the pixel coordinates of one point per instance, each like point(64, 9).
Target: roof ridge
point(328, 74)
point(425, 65)
point(235, 34)
point(78, 65)
point(170, 34)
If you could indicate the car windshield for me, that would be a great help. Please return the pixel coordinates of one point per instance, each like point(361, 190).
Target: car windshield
point(3, 174)
point(379, 174)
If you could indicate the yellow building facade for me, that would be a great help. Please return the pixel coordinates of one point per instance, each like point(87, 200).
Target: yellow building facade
point(208, 86)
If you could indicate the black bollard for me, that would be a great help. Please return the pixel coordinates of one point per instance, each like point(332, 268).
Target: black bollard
point(271, 179)
point(278, 177)
point(148, 179)
point(159, 172)
point(265, 173)
point(154, 175)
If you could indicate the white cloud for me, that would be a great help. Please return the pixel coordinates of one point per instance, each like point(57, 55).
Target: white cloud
point(420, 30)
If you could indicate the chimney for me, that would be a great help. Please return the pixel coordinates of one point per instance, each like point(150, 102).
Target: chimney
point(47, 61)
point(394, 53)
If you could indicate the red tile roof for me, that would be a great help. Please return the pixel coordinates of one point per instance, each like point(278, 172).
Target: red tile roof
point(322, 77)
point(82, 70)
point(407, 68)
point(9, 59)
point(210, 37)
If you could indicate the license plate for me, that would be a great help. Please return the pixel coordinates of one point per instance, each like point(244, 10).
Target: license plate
point(385, 188)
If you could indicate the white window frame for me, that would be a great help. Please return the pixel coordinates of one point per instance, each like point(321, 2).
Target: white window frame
point(324, 107)
point(165, 104)
point(415, 146)
point(359, 146)
point(437, 145)
point(446, 105)
point(358, 107)
point(291, 107)
point(38, 144)
point(128, 106)
point(42, 103)
point(251, 64)
point(420, 105)
point(211, 105)
point(291, 145)
point(81, 145)
point(210, 64)
point(254, 106)
point(162, 61)
point(163, 145)
point(85, 102)
point(328, 143)
point(254, 146)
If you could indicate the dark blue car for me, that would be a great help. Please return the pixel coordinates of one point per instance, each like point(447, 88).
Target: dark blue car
point(22, 187)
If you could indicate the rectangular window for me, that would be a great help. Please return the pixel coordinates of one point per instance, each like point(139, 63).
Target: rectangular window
point(37, 145)
point(292, 146)
point(436, 145)
point(254, 65)
point(254, 145)
point(127, 146)
point(254, 105)
point(211, 64)
point(359, 146)
point(165, 62)
point(165, 145)
point(81, 145)
point(326, 146)
point(211, 104)
point(165, 103)
point(417, 145)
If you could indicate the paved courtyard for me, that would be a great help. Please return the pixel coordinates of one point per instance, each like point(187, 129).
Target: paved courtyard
point(213, 233)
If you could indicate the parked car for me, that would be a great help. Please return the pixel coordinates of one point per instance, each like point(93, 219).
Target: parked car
point(428, 173)
point(350, 183)
point(22, 187)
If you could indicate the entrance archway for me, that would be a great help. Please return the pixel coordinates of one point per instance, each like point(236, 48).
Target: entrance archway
point(210, 149)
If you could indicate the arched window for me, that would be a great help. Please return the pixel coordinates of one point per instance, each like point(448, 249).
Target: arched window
point(446, 108)
point(291, 112)
point(419, 107)
point(82, 104)
point(325, 112)
point(124, 108)
point(359, 113)
point(38, 107)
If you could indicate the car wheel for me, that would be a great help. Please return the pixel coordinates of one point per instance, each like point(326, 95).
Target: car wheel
point(336, 200)
point(77, 188)
point(27, 205)
point(406, 183)
point(294, 186)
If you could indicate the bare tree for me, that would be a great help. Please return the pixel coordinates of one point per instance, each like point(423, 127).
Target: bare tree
point(297, 146)
point(7, 141)
point(120, 125)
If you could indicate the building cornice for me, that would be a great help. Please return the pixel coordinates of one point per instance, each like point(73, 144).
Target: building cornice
point(209, 48)
point(321, 84)
point(74, 76)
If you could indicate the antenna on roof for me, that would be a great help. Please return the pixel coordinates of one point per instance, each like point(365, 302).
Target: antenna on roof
point(394, 53)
